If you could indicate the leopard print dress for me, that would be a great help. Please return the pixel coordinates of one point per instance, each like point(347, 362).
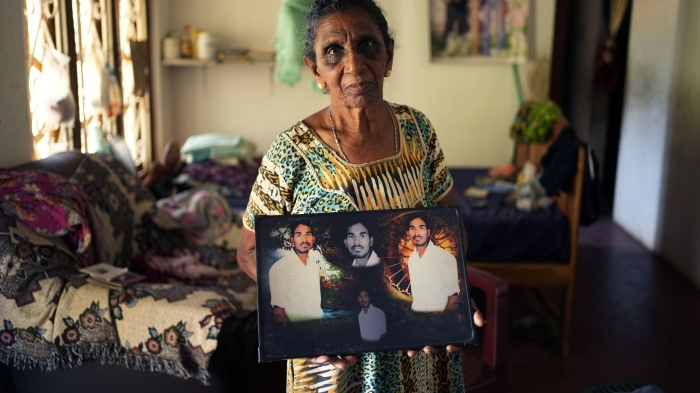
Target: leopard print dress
point(300, 174)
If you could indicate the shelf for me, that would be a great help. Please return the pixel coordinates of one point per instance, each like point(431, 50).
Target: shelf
point(187, 62)
point(265, 58)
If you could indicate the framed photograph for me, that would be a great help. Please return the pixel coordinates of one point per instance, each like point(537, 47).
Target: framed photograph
point(493, 30)
point(353, 282)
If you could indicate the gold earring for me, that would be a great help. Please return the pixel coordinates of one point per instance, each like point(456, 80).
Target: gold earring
point(320, 86)
point(388, 73)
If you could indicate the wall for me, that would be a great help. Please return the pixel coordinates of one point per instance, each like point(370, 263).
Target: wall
point(645, 128)
point(15, 137)
point(657, 197)
point(679, 221)
point(470, 105)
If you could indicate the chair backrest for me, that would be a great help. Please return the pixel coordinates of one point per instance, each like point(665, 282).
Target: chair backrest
point(491, 362)
point(569, 202)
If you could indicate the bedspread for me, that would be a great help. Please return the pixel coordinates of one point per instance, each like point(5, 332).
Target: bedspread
point(501, 232)
point(52, 317)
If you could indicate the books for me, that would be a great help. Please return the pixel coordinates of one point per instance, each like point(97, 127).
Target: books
point(476, 192)
point(111, 276)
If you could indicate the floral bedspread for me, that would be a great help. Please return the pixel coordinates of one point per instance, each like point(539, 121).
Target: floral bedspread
point(52, 317)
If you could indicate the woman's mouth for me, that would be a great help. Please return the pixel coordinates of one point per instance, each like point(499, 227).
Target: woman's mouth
point(359, 88)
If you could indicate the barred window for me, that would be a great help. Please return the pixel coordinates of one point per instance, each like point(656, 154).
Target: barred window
point(89, 79)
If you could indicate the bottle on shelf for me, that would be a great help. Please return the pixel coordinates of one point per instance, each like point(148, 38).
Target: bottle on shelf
point(205, 46)
point(194, 37)
point(186, 43)
point(171, 46)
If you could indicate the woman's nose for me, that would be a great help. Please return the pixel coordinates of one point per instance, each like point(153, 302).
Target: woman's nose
point(353, 61)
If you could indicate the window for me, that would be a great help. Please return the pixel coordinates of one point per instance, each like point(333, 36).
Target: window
point(102, 90)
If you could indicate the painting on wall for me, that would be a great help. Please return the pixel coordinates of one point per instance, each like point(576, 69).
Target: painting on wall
point(480, 30)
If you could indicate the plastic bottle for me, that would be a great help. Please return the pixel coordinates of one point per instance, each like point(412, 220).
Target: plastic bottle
point(186, 43)
point(206, 46)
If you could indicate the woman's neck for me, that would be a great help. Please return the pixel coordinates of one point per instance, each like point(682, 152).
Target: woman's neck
point(365, 136)
point(359, 123)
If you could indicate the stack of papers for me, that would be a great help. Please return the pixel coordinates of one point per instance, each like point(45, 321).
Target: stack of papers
point(111, 276)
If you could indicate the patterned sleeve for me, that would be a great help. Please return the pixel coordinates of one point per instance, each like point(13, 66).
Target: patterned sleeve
point(440, 180)
point(271, 195)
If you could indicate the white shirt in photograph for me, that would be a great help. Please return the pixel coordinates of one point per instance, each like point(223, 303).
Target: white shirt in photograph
point(296, 286)
point(372, 324)
point(433, 278)
point(372, 261)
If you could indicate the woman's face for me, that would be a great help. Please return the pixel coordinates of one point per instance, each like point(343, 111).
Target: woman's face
point(351, 58)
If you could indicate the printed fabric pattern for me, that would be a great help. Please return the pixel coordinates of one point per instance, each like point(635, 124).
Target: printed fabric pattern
point(50, 205)
point(300, 175)
point(52, 317)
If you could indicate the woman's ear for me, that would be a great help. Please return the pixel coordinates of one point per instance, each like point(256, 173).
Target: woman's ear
point(314, 69)
point(310, 64)
point(390, 55)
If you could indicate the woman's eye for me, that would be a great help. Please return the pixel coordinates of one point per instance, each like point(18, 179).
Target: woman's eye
point(333, 54)
point(368, 43)
point(333, 51)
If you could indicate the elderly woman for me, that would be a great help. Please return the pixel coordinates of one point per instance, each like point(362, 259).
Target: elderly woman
point(359, 153)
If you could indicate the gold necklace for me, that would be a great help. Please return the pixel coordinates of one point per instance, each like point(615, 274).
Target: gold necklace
point(337, 143)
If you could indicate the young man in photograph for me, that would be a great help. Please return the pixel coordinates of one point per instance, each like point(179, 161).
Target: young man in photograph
point(371, 319)
point(359, 242)
point(433, 270)
point(295, 286)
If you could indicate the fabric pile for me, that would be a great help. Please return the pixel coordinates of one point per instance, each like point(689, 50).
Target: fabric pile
point(217, 146)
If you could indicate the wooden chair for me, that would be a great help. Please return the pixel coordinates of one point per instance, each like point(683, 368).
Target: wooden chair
point(545, 273)
point(484, 365)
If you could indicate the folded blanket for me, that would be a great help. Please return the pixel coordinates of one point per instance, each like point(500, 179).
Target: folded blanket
point(209, 146)
point(202, 214)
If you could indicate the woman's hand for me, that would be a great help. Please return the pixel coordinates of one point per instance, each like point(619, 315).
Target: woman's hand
point(341, 362)
point(246, 253)
point(478, 321)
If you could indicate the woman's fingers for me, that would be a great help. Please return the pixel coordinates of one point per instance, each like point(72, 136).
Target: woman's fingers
point(341, 362)
point(428, 349)
point(478, 317)
point(432, 350)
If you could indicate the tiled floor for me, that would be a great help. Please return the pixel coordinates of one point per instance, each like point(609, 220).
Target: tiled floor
point(635, 319)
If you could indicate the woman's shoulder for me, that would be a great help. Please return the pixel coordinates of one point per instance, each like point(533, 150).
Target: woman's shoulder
point(299, 128)
point(404, 111)
point(292, 146)
point(414, 118)
point(291, 136)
